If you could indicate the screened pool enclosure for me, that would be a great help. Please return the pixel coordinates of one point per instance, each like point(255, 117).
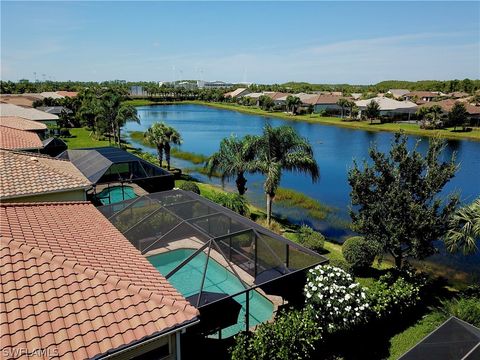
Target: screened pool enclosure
point(215, 257)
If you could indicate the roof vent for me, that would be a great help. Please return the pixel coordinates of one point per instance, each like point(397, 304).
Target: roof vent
point(34, 159)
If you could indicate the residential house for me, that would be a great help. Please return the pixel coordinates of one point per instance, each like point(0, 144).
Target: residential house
point(28, 177)
point(237, 93)
point(398, 93)
point(447, 105)
point(201, 84)
point(19, 123)
point(356, 96)
point(399, 110)
point(28, 113)
point(458, 95)
point(73, 287)
point(420, 97)
point(55, 110)
point(15, 139)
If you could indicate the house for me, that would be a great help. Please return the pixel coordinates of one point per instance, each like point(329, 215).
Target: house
point(70, 94)
point(73, 287)
point(19, 123)
point(325, 103)
point(25, 100)
point(398, 93)
point(137, 90)
point(390, 108)
point(28, 113)
point(356, 96)
point(458, 95)
point(51, 94)
point(28, 177)
point(237, 93)
point(201, 84)
point(420, 97)
point(55, 110)
point(447, 105)
point(15, 139)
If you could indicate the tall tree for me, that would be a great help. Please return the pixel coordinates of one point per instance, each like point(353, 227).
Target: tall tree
point(162, 136)
point(464, 229)
point(344, 104)
point(233, 160)
point(279, 149)
point(293, 102)
point(372, 111)
point(266, 102)
point(458, 116)
point(394, 199)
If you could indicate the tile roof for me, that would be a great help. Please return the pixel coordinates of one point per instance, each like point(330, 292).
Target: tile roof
point(24, 174)
point(26, 113)
point(387, 104)
point(14, 139)
point(67, 93)
point(421, 94)
point(447, 105)
point(72, 282)
point(19, 123)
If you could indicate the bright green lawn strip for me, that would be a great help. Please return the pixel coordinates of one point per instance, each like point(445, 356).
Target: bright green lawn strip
point(404, 341)
point(83, 138)
point(413, 129)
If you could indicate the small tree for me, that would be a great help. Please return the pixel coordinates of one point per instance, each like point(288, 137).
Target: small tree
point(162, 136)
point(458, 116)
point(464, 229)
point(395, 203)
point(293, 102)
point(266, 102)
point(372, 111)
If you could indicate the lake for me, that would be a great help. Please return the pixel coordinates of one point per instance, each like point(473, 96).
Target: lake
point(202, 129)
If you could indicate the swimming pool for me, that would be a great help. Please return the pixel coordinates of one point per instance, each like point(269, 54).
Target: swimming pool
point(116, 194)
point(218, 279)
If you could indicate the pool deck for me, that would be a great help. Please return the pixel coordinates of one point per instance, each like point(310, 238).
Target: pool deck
point(137, 189)
point(195, 243)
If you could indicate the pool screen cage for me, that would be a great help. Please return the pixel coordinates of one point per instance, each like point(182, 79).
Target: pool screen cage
point(178, 219)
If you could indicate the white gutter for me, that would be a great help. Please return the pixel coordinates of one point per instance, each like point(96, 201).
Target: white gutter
point(141, 343)
point(86, 187)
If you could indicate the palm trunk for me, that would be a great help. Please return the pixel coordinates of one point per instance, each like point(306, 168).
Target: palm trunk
point(269, 207)
point(167, 155)
point(160, 155)
point(241, 182)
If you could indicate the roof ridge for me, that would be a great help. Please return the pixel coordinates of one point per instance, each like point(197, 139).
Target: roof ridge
point(45, 203)
point(100, 275)
point(24, 153)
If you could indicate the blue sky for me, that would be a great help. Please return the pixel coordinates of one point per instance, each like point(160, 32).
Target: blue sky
point(266, 42)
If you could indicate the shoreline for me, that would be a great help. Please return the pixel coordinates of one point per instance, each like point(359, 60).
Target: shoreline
point(409, 129)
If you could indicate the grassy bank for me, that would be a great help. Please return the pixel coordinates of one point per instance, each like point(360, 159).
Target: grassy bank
point(412, 129)
point(83, 138)
point(292, 198)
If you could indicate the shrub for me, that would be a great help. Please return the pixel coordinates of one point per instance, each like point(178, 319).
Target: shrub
point(292, 335)
point(336, 299)
point(358, 253)
point(466, 309)
point(275, 226)
point(64, 132)
point(190, 186)
point(392, 295)
point(234, 202)
point(310, 238)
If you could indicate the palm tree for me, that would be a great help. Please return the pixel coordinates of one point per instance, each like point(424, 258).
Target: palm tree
point(464, 232)
point(281, 149)
point(114, 114)
point(233, 159)
point(343, 103)
point(162, 136)
point(293, 102)
point(372, 111)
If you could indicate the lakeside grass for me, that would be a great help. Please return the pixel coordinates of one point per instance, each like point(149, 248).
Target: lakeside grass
point(83, 138)
point(412, 129)
point(292, 198)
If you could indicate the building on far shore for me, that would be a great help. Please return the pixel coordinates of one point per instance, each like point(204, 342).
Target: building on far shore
point(201, 84)
point(398, 93)
point(420, 97)
point(399, 110)
point(28, 113)
point(237, 93)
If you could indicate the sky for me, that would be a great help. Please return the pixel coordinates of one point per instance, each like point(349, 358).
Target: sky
point(261, 42)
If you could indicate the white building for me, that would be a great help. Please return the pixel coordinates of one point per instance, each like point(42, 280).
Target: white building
point(389, 107)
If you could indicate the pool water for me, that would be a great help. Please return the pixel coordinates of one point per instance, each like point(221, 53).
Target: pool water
point(218, 279)
point(116, 194)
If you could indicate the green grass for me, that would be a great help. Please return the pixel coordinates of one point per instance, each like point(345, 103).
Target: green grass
point(292, 198)
point(404, 341)
point(139, 102)
point(412, 129)
point(83, 138)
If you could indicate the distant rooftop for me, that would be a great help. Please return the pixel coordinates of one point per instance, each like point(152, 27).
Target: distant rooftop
point(26, 113)
point(19, 123)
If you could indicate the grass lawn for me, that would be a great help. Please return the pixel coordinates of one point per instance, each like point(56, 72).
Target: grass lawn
point(82, 138)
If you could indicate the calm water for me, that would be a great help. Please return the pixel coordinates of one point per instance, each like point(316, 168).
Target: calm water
point(203, 127)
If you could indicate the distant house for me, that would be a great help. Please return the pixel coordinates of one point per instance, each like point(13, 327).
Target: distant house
point(447, 105)
point(356, 96)
point(237, 93)
point(52, 95)
point(326, 103)
point(398, 93)
point(420, 97)
point(28, 113)
point(15, 139)
point(390, 107)
point(55, 110)
point(213, 84)
point(28, 177)
point(74, 287)
point(458, 95)
point(70, 94)
point(137, 90)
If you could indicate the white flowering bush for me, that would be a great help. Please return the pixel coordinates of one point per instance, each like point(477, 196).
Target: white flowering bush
point(338, 302)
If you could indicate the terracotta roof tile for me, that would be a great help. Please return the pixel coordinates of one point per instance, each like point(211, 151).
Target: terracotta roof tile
point(14, 139)
point(78, 305)
point(29, 174)
point(19, 123)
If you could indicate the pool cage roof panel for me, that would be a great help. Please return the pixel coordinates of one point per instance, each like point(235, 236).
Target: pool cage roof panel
point(179, 219)
point(94, 163)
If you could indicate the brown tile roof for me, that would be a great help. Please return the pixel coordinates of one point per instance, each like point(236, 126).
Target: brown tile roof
point(26, 174)
point(322, 99)
point(19, 123)
point(447, 105)
point(420, 94)
point(14, 139)
point(72, 282)
point(67, 93)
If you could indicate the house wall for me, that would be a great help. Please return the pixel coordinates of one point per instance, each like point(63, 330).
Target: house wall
point(75, 195)
point(149, 349)
point(320, 107)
